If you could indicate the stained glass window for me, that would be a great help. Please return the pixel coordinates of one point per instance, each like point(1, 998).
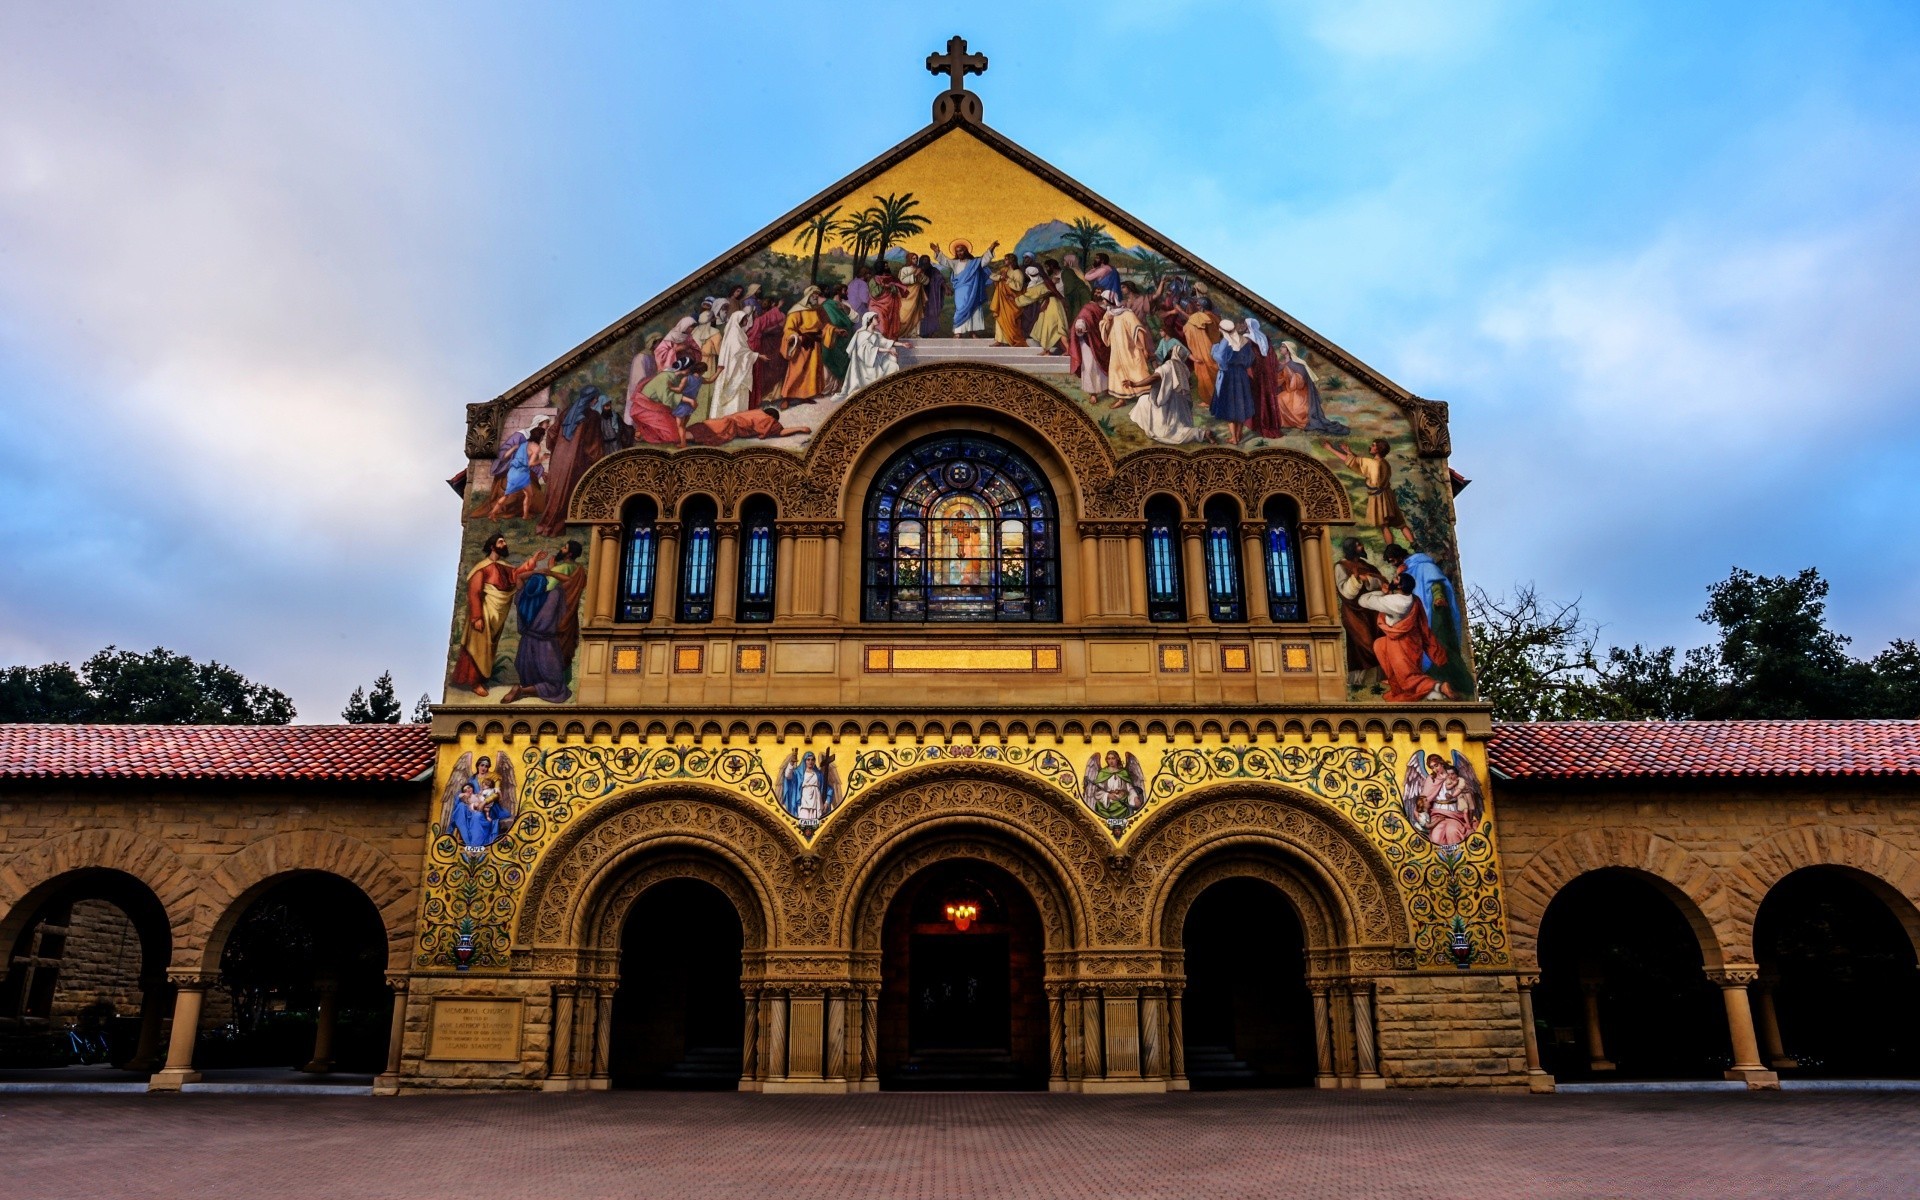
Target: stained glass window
point(1166, 597)
point(756, 560)
point(1225, 601)
point(961, 528)
point(637, 553)
point(696, 560)
point(1285, 595)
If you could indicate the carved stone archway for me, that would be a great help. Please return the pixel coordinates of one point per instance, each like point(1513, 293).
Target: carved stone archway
point(1694, 887)
point(1303, 893)
point(1886, 870)
point(655, 864)
point(33, 873)
point(244, 875)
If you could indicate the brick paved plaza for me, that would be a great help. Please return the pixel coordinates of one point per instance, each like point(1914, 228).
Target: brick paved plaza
point(691, 1146)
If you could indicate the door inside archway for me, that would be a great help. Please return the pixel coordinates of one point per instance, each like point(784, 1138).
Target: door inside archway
point(678, 1014)
point(1623, 993)
point(963, 1003)
point(1838, 984)
point(1248, 1018)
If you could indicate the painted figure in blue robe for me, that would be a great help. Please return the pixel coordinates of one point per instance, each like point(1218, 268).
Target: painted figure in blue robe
point(518, 471)
point(479, 807)
point(548, 607)
point(971, 277)
point(809, 786)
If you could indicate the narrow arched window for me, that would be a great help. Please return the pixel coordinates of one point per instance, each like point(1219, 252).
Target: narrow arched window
point(638, 558)
point(756, 560)
point(1281, 547)
point(1225, 598)
point(696, 560)
point(1166, 598)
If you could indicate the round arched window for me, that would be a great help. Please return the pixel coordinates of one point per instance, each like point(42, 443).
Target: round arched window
point(961, 527)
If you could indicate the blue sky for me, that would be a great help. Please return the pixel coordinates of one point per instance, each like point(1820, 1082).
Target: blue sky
point(255, 259)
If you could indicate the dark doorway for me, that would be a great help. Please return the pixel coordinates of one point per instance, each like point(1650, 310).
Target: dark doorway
point(302, 982)
point(1248, 1018)
point(1841, 971)
point(963, 1003)
point(1616, 949)
point(678, 1016)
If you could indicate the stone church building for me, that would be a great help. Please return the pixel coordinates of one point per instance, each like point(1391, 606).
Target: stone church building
point(959, 639)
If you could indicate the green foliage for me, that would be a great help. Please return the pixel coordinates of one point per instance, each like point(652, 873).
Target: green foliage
point(1774, 658)
point(1088, 235)
point(422, 710)
point(895, 221)
point(817, 230)
point(859, 233)
point(121, 687)
point(378, 707)
point(1151, 267)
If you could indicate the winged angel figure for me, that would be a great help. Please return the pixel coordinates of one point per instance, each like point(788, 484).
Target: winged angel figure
point(1113, 789)
point(479, 804)
point(1442, 799)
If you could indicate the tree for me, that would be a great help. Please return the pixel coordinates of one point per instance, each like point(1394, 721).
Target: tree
point(859, 232)
point(121, 687)
point(1897, 675)
point(378, 707)
point(1089, 235)
point(895, 221)
point(422, 709)
point(1536, 659)
point(820, 227)
point(1152, 267)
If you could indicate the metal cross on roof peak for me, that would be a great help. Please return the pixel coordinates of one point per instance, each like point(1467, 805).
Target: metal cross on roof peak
point(956, 64)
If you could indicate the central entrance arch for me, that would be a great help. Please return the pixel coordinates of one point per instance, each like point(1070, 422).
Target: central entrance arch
point(678, 1015)
point(1248, 1014)
point(962, 1003)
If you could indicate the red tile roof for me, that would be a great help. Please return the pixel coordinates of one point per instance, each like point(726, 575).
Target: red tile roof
point(1750, 749)
point(312, 753)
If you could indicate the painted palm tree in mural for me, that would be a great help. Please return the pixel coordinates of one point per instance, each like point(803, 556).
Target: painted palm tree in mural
point(858, 233)
point(1152, 267)
point(820, 227)
point(895, 220)
point(1089, 236)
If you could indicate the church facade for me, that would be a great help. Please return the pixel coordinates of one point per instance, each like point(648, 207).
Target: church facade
point(957, 638)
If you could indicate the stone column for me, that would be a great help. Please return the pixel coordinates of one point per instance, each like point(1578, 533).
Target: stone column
point(830, 575)
point(560, 1069)
point(1193, 541)
point(154, 999)
point(1537, 1078)
point(869, 1039)
point(1316, 570)
point(1090, 605)
point(1747, 1067)
point(1176, 1040)
point(666, 571)
point(1340, 1001)
point(1091, 1062)
point(602, 1040)
point(783, 572)
point(1073, 1037)
point(1363, 1037)
point(1056, 1039)
point(750, 1042)
point(726, 570)
point(322, 1060)
point(1596, 1044)
point(834, 1064)
point(777, 1039)
point(388, 1084)
point(189, 991)
point(606, 562)
point(1323, 1076)
point(1772, 1048)
point(1153, 1039)
point(1253, 566)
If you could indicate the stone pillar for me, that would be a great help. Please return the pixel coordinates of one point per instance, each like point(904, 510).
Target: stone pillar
point(560, 1068)
point(1323, 1076)
point(602, 1040)
point(1136, 552)
point(1122, 1015)
point(830, 575)
point(154, 999)
point(1176, 1040)
point(1193, 540)
point(1090, 605)
point(1340, 999)
point(869, 1039)
point(388, 1083)
point(726, 570)
point(1773, 1049)
point(834, 1058)
point(763, 1044)
point(1747, 1067)
point(606, 562)
point(322, 1060)
point(1091, 1062)
point(1363, 1037)
point(1153, 1038)
point(189, 991)
point(666, 571)
point(783, 573)
point(1316, 569)
point(750, 1042)
point(1596, 1044)
point(1056, 1039)
point(1537, 1078)
point(1073, 1037)
point(777, 1039)
point(1253, 567)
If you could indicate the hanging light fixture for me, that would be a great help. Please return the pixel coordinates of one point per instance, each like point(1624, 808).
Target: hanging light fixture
point(962, 914)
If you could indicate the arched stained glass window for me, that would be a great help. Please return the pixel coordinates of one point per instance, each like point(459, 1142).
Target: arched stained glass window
point(961, 528)
point(1285, 593)
point(1166, 595)
point(1225, 598)
point(638, 551)
point(756, 560)
point(696, 560)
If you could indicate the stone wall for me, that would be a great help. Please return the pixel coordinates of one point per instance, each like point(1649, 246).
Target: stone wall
point(100, 962)
point(1450, 1030)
